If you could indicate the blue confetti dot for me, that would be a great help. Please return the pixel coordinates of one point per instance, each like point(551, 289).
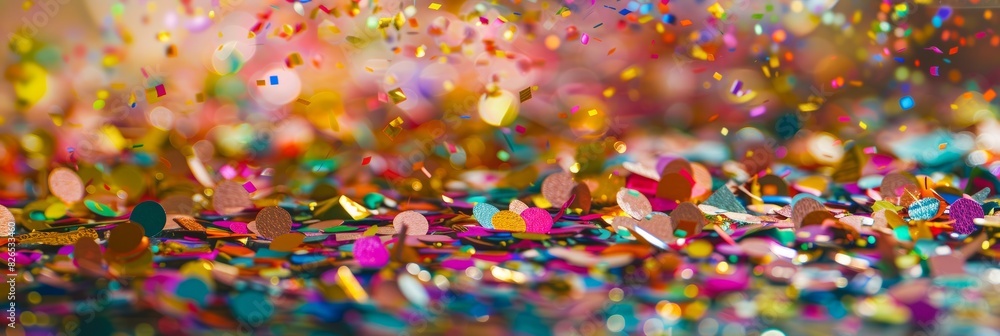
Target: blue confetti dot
point(944, 12)
point(906, 102)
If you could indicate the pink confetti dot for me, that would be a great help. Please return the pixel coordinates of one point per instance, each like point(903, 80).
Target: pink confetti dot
point(537, 220)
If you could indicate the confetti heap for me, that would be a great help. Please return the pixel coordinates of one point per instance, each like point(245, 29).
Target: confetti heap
point(501, 168)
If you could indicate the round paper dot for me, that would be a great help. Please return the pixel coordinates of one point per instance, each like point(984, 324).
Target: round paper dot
point(151, 216)
point(634, 203)
point(924, 209)
point(537, 220)
point(125, 237)
point(66, 185)
point(484, 214)
point(56, 211)
point(509, 221)
point(674, 186)
point(699, 249)
point(415, 223)
point(964, 211)
point(251, 306)
point(273, 222)
point(86, 251)
point(194, 289)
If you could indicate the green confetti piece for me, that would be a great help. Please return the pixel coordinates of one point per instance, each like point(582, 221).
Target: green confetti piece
point(100, 209)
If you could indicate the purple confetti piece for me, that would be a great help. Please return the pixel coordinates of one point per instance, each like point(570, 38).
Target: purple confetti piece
point(964, 211)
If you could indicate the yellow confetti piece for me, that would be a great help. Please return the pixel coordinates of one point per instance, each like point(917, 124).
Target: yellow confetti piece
point(863, 125)
point(808, 107)
point(902, 128)
point(434, 6)
point(717, 76)
point(725, 131)
point(609, 92)
point(397, 95)
point(592, 112)
point(629, 73)
point(717, 10)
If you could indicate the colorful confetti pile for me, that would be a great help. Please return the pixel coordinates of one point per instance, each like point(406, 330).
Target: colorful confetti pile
point(510, 167)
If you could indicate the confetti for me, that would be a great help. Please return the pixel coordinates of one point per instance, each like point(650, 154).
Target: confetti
point(906, 103)
point(273, 222)
point(414, 222)
point(66, 185)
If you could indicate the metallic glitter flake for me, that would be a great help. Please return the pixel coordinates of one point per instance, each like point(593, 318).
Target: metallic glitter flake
point(517, 206)
point(7, 220)
point(965, 211)
point(415, 223)
point(804, 207)
point(230, 198)
point(537, 220)
point(924, 209)
point(188, 223)
point(558, 188)
point(506, 220)
point(657, 229)
point(273, 222)
point(689, 218)
point(483, 212)
point(722, 198)
point(634, 203)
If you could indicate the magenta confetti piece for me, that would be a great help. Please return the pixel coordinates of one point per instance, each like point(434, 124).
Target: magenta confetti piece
point(963, 212)
point(369, 252)
point(238, 227)
point(249, 187)
point(537, 220)
point(585, 39)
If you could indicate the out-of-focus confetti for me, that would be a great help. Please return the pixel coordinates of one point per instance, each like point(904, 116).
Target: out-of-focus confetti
point(512, 167)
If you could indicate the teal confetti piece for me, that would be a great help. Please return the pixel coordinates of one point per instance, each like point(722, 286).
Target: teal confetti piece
point(924, 209)
point(722, 198)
